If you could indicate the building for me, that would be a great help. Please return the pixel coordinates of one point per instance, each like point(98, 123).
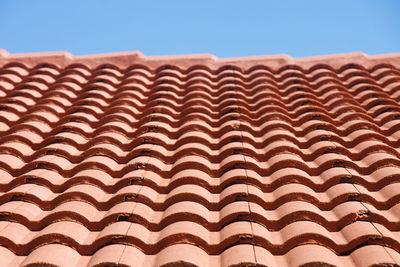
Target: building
point(126, 160)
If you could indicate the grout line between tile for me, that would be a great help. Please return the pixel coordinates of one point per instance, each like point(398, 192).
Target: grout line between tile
point(245, 163)
point(141, 187)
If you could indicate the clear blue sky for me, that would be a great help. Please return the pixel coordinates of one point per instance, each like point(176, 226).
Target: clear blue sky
point(223, 28)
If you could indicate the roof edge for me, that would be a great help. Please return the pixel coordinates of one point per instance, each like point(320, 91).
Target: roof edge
point(126, 59)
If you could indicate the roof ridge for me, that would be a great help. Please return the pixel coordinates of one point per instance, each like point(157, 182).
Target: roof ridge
point(125, 59)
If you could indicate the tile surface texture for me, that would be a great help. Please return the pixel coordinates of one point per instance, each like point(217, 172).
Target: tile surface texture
point(126, 160)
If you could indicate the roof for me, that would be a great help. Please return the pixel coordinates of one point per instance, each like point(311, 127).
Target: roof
point(193, 160)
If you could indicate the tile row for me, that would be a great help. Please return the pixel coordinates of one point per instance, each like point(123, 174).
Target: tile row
point(191, 255)
point(170, 151)
point(366, 166)
point(44, 198)
point(288, 71)
point(32, 217)
point(57, 183)
point(21, 241)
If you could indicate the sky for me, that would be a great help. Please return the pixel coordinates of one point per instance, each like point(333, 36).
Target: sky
point(224, 28)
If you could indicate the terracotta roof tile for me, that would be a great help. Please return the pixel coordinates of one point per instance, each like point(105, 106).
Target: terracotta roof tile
point(121, 159)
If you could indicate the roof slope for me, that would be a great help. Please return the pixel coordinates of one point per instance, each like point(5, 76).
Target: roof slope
point(159, 161)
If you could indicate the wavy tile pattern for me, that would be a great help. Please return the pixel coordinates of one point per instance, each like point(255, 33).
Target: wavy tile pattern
point(242, 164)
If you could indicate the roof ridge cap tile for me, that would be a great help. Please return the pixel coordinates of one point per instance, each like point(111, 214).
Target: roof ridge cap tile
point(3, 53)
point(338, 60)
point(126, 59)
